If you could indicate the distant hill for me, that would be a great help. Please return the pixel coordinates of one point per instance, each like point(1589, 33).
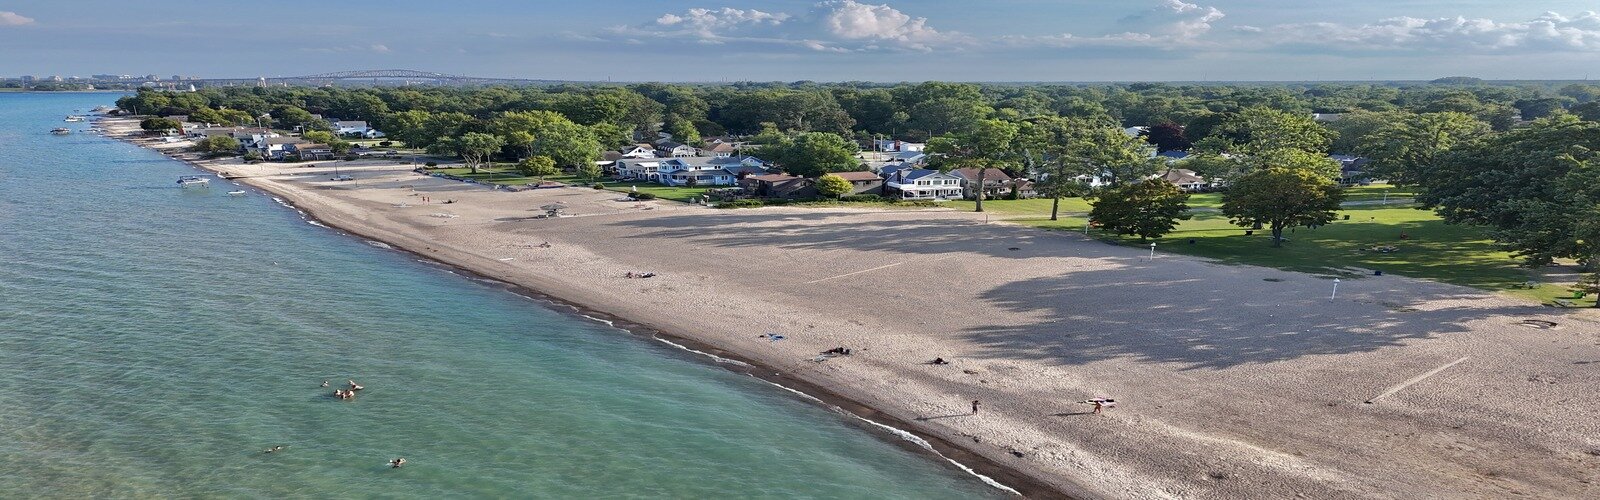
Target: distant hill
point(1458, 80)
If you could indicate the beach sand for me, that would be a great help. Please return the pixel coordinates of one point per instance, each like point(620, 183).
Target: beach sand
point(1232, 381)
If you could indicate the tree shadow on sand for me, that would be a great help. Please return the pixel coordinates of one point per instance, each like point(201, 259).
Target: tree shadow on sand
point(1135, 312)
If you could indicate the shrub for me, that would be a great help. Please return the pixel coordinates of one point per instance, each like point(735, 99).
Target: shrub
point(642, 196)
point(432, 164)
point(385, 144)
point(351, 158)
point(252, 156)
point(744, 203)
point(863, 198)
point(598, 186)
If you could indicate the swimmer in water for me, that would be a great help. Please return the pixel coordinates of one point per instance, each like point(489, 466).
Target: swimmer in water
point(396, 463)
point(275, 448)
point(353, 385)
point(324, 383)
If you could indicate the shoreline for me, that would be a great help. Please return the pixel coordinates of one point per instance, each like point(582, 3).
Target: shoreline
point(993, 474)
point(1230, 387)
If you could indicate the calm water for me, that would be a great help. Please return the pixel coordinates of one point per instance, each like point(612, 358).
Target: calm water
point(154, 340)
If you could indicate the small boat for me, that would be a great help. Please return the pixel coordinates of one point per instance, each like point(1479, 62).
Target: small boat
point(239, 192)
point(193, 180)
point(60, 131)
point(74, 118)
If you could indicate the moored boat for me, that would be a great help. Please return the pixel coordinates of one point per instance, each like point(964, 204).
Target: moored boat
point(74, 118)
point(193, 181)
point(238, 192)
point(60, 131)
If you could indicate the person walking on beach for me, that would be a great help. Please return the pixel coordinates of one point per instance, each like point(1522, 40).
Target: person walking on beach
point(974, 407)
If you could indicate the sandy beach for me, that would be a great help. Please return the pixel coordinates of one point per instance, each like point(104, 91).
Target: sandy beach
point(1232, 381)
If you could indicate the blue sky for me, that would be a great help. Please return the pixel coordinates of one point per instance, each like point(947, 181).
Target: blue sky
point(829, 40)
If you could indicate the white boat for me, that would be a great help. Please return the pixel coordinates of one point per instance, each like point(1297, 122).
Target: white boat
point(193, 180)
point(239, 192)
point(60, 131)
point(74, 118)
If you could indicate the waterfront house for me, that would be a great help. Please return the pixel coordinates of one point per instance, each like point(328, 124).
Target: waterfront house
point(273, 148)
point(995, 182)
point(669, 149)
point(684, 171)
point(778, 186)
point(349, 128)
point(896, 146)
point(862, 182)
point(311, 151)
point(922, 184)
point(718, 150)
point(637, 151)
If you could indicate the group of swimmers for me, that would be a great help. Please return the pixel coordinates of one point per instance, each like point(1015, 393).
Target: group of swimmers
point(345, 394)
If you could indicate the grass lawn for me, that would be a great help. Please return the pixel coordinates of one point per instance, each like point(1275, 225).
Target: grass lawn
point(1461, 255)
point(509, 176)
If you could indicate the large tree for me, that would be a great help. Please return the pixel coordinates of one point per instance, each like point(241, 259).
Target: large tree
point(812, 154)
point(1536, 188)
point(547, 133)
point(1148, 209)
point(1051, 150)
point(159, 124)
point(1405, 150)
point(1260, 128)
point(985, 145)
point(537, 166)
point(833, 186)
point(474, 148)
point(1280, 198)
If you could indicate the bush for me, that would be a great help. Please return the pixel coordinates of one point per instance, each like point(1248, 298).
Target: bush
point(252, 156)
point(385, 144)
point(744, 203)
point(598, 186)
point(351, 158)
point(432, 164)
point(642, 196)
point(863, 198)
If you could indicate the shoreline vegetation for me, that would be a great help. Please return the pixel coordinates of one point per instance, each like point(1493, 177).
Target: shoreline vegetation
point(1234, 381)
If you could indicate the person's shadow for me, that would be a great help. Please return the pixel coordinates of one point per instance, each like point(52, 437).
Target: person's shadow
point(1073, 414)
point(936, 417)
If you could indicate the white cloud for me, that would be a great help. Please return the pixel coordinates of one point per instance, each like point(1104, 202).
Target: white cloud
point(379, 48)
point(1550, 31)
point(8, 18)
point(1169, 24)
point(829, 26)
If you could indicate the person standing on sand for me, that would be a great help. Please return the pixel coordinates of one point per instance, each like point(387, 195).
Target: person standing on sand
point(974, 407)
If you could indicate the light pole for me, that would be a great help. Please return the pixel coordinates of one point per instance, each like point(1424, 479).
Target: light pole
point(1335, 289)
point(1152, 250)
point(1086, 227)
point(1385, 197)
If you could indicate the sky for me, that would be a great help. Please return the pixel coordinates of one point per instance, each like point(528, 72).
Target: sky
point(828, 40)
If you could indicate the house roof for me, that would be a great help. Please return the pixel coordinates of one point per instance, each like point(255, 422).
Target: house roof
point(774, 177)
point(721, 147)
point(311, 146)
point(917, 173)
point(1182, 176)
point(971, 174)
point(858, 176)
point(283, 140)
point(351, 123)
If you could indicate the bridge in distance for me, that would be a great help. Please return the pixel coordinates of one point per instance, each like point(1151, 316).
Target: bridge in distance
point(386, 77)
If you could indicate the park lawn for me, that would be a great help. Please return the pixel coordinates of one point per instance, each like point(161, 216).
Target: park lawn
point(675, 193)
point(1456, 254)
point(510, 177)
point(1026, 209)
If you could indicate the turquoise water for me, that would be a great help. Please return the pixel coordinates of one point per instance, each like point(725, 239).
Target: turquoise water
point(154, 340)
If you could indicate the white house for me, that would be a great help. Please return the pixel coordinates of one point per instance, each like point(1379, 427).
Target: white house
point(684, 171)
point(922, 184)
point(638, 151)
point(1186, 180)
point(354, 127)
point(669, 149)
point(889, 146)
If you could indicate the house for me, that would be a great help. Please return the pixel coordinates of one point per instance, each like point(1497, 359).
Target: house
point(1352, 169)
point(354, 128)
point(922, 184)
point(681, 171)
point(718, 150)
point(669, 149)
point(995, 182)
point(862, 182)
point(1185, 179)
point(273, 148)
point(779, 186)
point(637, 151)
point(1136, 131)
point(896, 146)
point(311, 151)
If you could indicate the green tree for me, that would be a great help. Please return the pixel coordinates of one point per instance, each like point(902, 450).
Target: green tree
point(160, 124)
point(1117, 157)
point(1404, 151)
point(683, 131)
point(1260, 128)
point(474, 148)
point(986, 144)
point(1050, 148)
point(833, 186)
point(547, 133)
point(590, 172)
point(1147, 209)
point(537, 166)
point(1537, 189)
point(812, 154)
point(218, 145)
point(1280, 198)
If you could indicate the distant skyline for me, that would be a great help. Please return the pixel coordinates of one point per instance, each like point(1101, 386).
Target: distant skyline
point(832, 40)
